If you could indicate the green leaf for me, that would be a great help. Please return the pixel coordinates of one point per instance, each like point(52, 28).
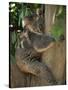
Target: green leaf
point(28, 12)
point(57, 31)
point(12, 58)
point(13, 37)
point(21, 15)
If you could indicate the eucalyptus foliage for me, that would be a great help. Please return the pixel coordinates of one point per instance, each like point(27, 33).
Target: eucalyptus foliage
point(58, 28)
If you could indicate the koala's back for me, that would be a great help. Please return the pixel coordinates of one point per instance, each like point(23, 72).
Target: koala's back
point(40, 41)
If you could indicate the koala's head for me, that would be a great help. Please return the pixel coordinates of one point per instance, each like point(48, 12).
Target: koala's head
point(28, 20)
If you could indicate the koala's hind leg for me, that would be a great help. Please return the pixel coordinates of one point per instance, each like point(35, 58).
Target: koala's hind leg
point(36, 68)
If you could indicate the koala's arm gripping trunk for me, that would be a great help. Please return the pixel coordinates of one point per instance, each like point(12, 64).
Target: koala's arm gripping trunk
point(40, 50)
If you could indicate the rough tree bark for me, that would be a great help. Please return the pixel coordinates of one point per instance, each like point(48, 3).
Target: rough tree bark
point(50, 11)
point(54, 57)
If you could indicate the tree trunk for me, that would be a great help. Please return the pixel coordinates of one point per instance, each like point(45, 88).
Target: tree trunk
point(50, 11)
point(54, 58)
